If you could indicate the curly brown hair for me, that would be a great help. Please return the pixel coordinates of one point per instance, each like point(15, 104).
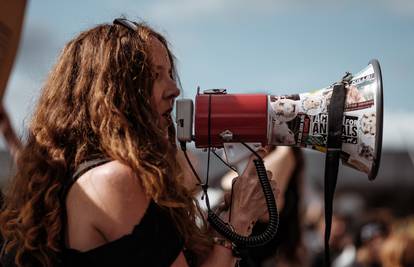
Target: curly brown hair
point(96, 100)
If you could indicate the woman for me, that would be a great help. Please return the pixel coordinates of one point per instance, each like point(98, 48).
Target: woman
point(97, 182)
point(397, 249)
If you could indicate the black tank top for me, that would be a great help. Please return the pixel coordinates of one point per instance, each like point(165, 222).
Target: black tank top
point(155, 241)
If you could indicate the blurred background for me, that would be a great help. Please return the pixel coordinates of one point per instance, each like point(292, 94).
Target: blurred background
point(267, 46)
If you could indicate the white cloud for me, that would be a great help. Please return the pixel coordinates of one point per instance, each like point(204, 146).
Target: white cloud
point(400, 7)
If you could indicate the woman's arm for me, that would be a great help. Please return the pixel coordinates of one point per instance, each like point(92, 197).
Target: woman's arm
point(281, 162)
point(219, 256)
point(222, 255)
point(113, 202)
point(248, 203)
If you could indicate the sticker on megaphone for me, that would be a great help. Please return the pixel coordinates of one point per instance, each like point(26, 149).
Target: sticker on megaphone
point(302, 120)
point(291, 120)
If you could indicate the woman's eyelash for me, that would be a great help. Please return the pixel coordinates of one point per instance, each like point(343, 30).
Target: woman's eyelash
point(158, 74)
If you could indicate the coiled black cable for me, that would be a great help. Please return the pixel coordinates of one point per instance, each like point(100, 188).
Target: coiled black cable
point(257, 240)
point(224, 228)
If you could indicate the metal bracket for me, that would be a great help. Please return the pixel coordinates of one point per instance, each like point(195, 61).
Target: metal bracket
point(215, 91)
point(227, 135)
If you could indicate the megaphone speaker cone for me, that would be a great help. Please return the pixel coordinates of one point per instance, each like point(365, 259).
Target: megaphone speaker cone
point(299, 119)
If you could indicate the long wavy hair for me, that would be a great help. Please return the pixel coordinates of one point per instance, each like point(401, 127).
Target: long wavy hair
point(96, 100)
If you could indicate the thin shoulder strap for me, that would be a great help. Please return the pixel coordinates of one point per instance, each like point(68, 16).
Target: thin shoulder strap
point(87, 165)
point(82, 168)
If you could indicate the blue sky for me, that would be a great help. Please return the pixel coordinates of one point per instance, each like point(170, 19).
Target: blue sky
point(277, 46)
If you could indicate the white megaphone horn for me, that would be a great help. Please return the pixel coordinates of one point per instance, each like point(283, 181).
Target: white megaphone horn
point(223, 120)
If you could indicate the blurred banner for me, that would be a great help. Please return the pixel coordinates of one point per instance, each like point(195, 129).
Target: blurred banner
point(11, 20)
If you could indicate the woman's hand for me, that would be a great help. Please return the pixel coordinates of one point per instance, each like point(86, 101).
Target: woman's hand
point(248, 204)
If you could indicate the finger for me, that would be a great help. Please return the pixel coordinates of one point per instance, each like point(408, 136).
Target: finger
point(269, 148)
point(227, 199)
point(262, 152)
point(234, 181)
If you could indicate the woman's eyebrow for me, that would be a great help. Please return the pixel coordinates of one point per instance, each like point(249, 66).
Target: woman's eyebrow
point(161, 68)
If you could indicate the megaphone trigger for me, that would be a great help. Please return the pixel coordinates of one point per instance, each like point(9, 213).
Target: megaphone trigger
point(237, 154)
point(256, 155)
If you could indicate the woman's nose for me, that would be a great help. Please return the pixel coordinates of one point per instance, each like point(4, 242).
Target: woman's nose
point(172, 91)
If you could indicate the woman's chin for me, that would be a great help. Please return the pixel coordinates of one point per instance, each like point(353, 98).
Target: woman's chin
point(164, 124)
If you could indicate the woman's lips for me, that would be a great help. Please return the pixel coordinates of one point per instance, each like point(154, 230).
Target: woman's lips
point(167, 116)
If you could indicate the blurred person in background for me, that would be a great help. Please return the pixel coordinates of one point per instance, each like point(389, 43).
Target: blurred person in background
point(313, 213)
point(372, 233)
point(341, 246)
point(398, 249)
point(348, 207)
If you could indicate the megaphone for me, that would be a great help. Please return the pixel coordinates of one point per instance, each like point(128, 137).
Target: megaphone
point(241, 123)
point(222, 120)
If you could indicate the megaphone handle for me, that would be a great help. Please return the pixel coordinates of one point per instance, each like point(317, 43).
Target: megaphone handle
point(237, 154)
point(240, 167)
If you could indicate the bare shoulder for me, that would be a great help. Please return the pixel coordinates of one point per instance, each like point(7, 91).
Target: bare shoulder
point(113, 199)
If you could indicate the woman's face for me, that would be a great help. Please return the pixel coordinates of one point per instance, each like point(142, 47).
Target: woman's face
point(165, 89)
